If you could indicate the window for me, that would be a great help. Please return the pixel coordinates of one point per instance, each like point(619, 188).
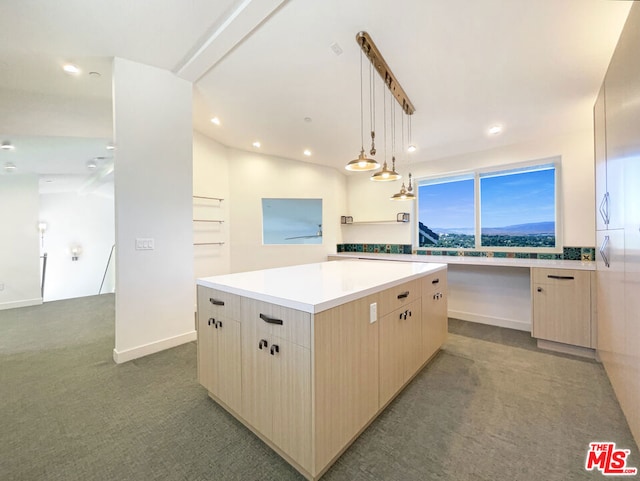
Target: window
point(446, 213)
point(505, 209)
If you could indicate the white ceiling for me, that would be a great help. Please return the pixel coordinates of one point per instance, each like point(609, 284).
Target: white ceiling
point(262, 66)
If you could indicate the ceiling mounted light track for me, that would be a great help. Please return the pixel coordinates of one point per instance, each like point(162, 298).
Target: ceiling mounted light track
point(375, 57)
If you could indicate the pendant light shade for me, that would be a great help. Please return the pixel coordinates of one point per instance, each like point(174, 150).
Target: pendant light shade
point(404, 194)
point(362, 163)
point(386, 175)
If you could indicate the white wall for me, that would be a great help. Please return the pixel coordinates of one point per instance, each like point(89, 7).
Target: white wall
point(19, 242)
point(84, 220)
point(153, 192)
point(499, 296)
point(211, 179)
point(479, 294)
point(254, 176)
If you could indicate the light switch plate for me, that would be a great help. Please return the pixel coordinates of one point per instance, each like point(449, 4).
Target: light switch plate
point(373, 312)
point(145, 244)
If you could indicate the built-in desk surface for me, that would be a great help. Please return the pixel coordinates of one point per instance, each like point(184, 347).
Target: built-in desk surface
point(471, 260)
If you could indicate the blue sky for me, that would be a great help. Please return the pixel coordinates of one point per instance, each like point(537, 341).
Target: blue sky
point(505, 200)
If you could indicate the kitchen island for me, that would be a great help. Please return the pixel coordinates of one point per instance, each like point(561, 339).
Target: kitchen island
point(307, 356)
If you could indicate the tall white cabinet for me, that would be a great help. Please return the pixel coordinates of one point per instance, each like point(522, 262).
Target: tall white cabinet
point(617, 164)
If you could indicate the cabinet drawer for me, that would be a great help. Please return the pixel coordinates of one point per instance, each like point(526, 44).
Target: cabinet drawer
point(219, 303)
point(435, 282)
point(558, 276)
point(284, 322)
point(398, 296)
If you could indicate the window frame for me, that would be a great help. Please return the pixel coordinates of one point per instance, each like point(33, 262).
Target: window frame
point(555, 161)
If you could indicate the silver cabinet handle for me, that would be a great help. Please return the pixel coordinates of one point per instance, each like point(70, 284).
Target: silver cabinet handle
point(603, 247)
point(604, 208)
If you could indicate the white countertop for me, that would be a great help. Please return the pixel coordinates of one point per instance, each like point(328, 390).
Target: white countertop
point(321, 286)
point(473, 261)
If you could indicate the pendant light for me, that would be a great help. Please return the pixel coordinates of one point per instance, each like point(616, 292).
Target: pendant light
point(362, 163)
point(386, 175)
point(405, 193)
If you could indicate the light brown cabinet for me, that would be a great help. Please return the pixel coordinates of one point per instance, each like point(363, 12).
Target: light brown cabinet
point(276, 376)
point(562, 306)
point(400, 347)
point(219, 360)
point(308, 384)
point(618, 266)
point(434, 314)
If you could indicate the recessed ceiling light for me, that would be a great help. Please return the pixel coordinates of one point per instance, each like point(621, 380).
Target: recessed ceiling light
point(9, 167)
point(92, 164)
point(95, 74)
point(495, 130)
point(215, 121)
point(308, 119)
point(411, 148)
point(6, 145)
point(70, 68)
point(110, 146)
point(256, 144)
point(307, 152)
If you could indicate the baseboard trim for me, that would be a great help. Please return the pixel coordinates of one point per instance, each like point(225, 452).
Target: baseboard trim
point(492, 321)
point(567, 349)
point(24, 303)
point(137, 352)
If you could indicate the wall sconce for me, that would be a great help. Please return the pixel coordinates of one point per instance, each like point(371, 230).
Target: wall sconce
point(42, 227)
point(76, 250)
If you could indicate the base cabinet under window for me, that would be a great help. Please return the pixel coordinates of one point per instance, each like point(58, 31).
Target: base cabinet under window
point(562, 306)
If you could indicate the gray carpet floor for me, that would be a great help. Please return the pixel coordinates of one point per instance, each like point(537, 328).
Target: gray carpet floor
point(490, 406)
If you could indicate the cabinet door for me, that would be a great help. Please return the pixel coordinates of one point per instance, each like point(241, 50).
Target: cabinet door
point(256, 377)
point(434, 319)
point(290, 396)
point(562, 306)
point(611, 302)
point(600, 153)
point(346, 374)
point(206, 341)
point(228, 363)
point(621, 125)
point(391, 353)
point(400, 338)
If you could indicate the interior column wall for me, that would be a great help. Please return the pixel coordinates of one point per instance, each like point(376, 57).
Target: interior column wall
point(19, 242)
point(153, 193)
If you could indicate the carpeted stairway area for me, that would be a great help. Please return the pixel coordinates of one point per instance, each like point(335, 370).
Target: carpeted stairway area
point(490, 406)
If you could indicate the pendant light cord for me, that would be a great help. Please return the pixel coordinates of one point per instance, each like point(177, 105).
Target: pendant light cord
point(393, 129)
point(384, 116)
point(361, 107)
point(372, 98)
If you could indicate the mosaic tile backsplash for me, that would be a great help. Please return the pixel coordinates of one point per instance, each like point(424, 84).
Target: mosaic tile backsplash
point(568, 253)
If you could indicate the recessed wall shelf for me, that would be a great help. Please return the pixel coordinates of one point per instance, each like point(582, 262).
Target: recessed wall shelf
point(203, 208)
point(219, 199)
point(401, 218)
